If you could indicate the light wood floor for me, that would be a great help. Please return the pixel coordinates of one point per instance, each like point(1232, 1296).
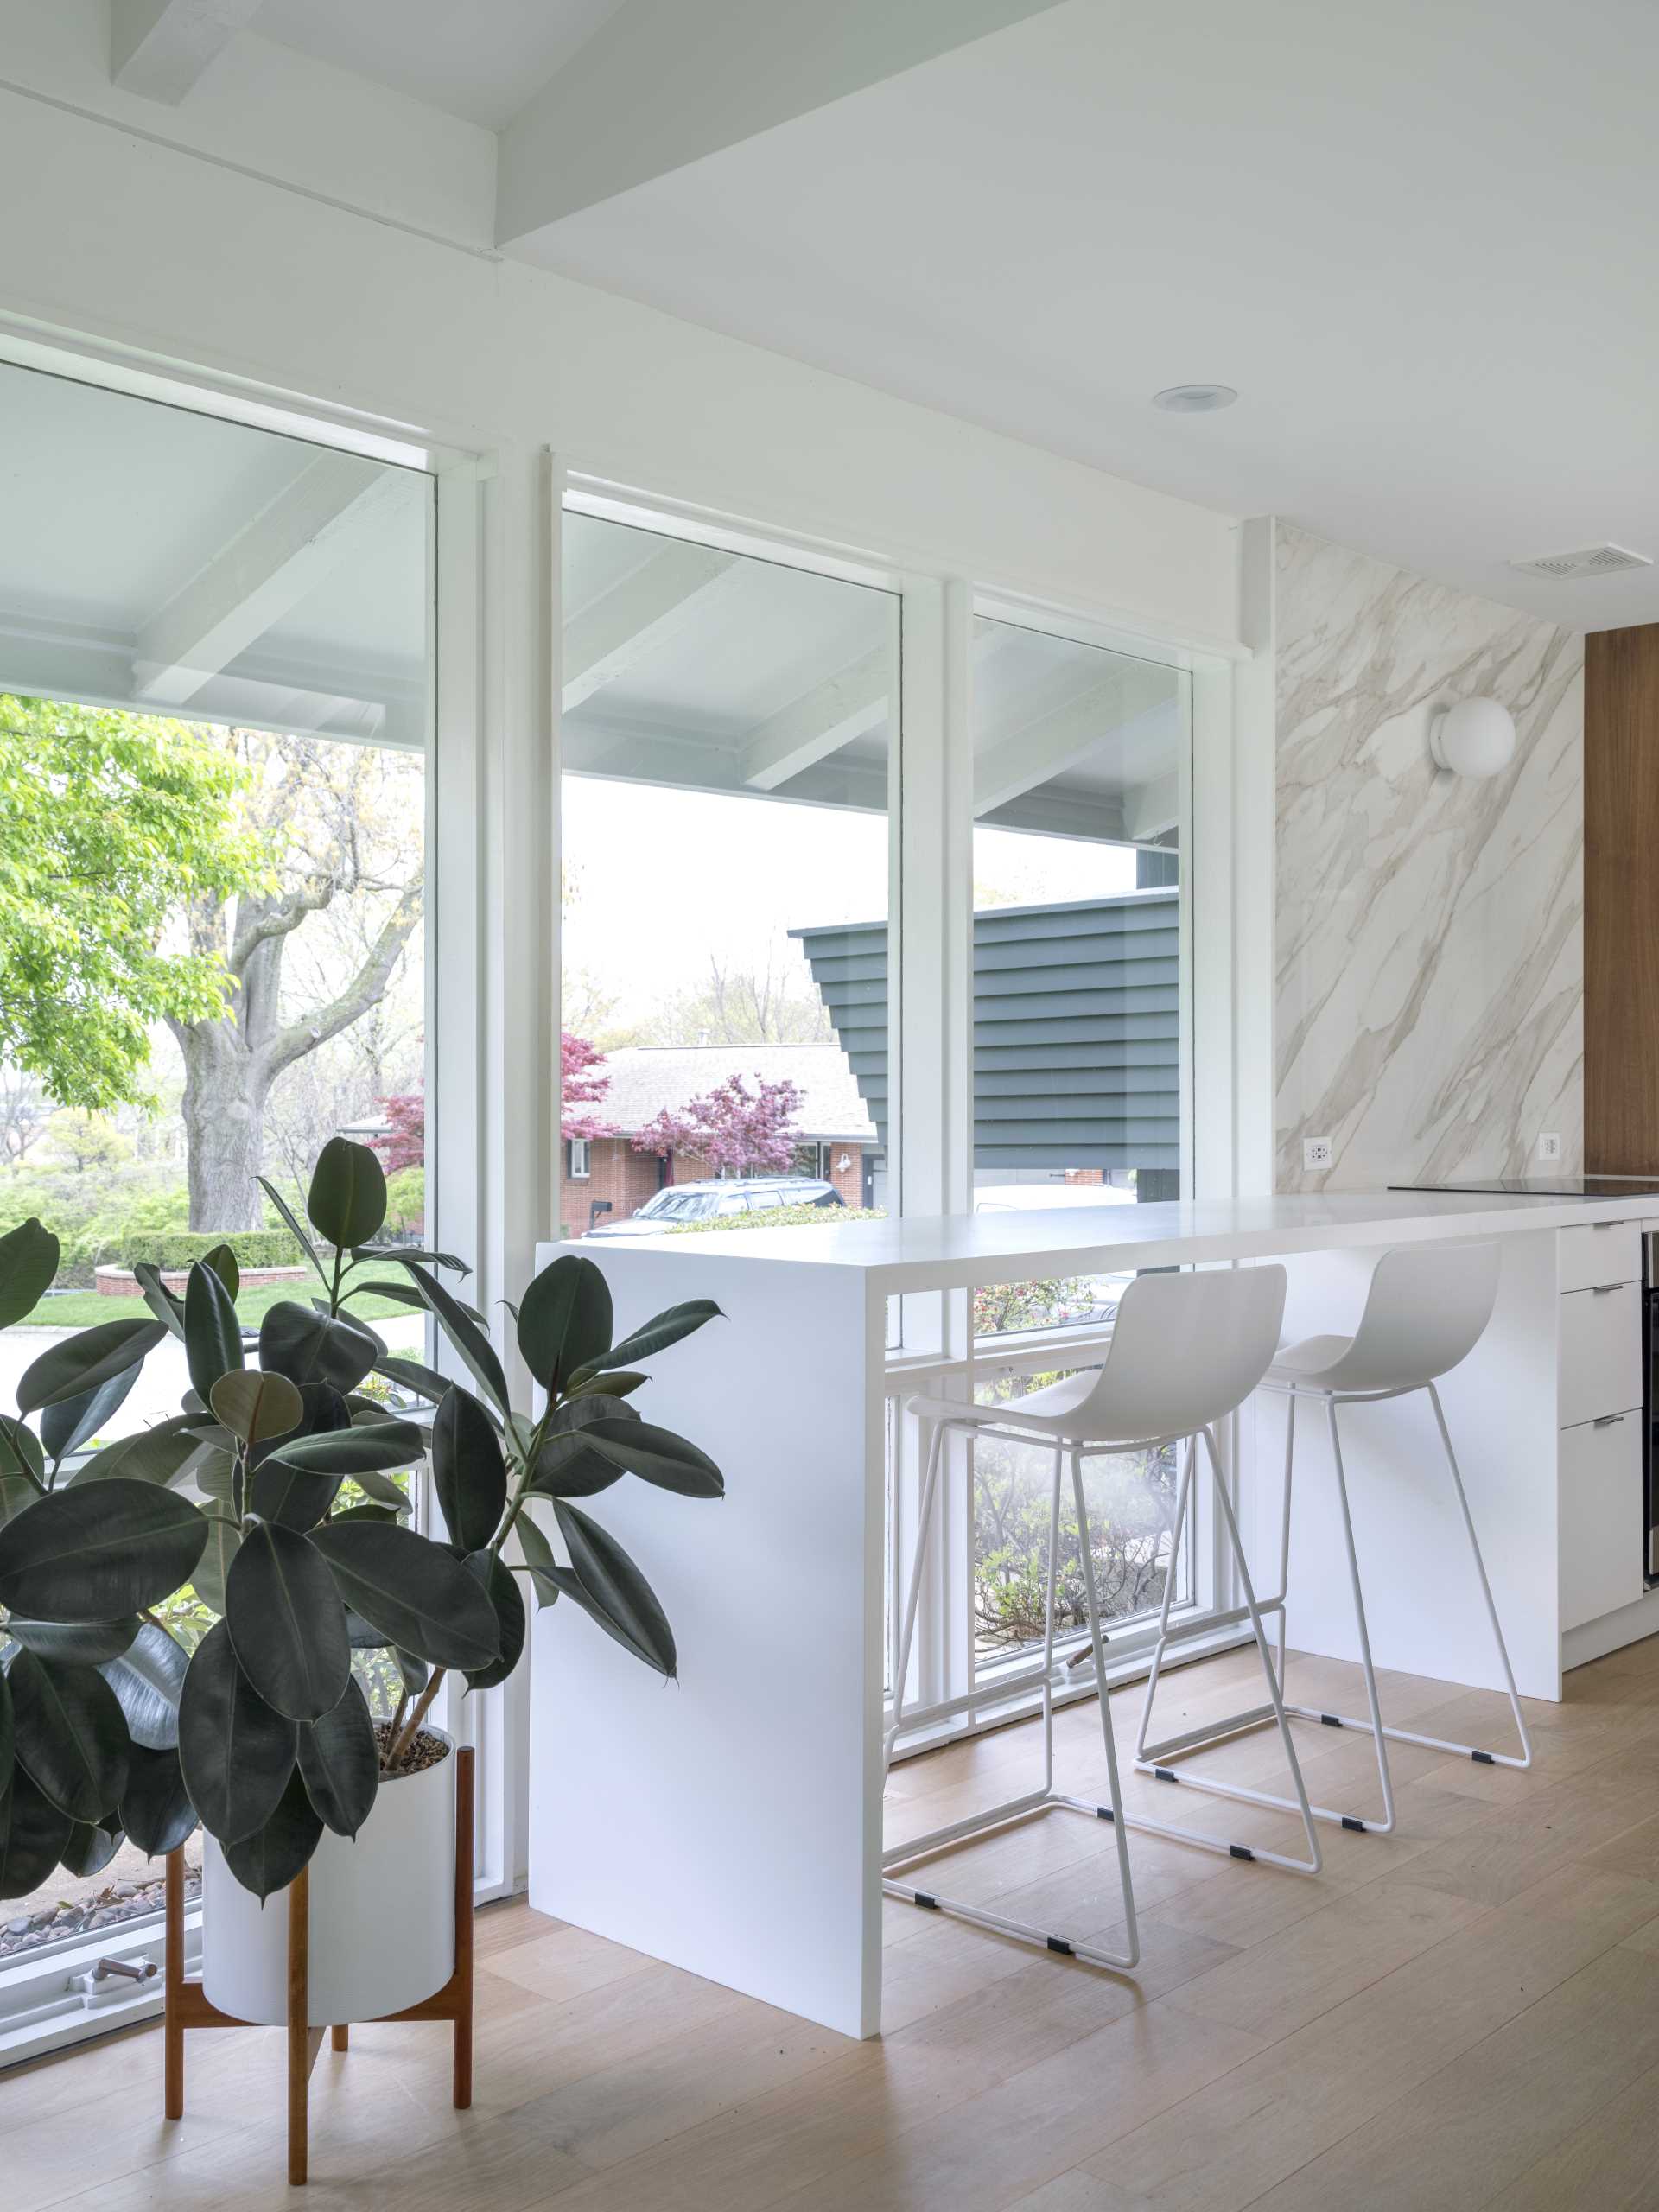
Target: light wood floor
point(1462, 2015)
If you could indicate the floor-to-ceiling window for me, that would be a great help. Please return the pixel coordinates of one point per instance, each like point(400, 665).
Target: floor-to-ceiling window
point(1080, 771)
point(215, 724)
point(729, 732)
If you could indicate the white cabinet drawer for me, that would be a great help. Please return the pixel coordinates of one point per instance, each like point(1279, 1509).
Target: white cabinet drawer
point(1600, 1353)
point(1600, 1518)
point(1604, 1251)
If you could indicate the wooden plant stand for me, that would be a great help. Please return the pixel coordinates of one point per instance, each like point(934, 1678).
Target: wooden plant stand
point(187, 2005)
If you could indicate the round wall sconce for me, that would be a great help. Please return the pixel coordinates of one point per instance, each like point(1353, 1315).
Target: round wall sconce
point(1474, 738)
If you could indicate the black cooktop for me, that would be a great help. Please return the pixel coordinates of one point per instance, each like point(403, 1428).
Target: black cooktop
point(1550, 1187)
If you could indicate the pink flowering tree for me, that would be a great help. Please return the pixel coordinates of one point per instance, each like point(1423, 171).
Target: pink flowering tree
point(581, 1085)
point(736, 1130)
point(402, 1143)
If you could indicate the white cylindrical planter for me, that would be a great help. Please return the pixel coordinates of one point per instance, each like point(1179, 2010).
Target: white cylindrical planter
point(383, 1913)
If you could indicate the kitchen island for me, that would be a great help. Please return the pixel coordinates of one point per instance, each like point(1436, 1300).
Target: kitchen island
point(731, 1822)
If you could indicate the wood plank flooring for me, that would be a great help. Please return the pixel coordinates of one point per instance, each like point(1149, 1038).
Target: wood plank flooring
point(1462, 2015)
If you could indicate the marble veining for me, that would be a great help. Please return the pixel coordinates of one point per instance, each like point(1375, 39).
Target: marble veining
point(1429, 929)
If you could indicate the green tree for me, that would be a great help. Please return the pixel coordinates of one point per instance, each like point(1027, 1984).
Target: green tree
point(109, 823)
point(87, 1141)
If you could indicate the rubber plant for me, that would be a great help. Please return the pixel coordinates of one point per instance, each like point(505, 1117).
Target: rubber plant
point(272, 1494)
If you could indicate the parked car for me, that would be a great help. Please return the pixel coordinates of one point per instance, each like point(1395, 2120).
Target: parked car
point(756, 1195)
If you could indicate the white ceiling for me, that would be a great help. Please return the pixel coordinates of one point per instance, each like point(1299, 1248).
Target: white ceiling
point(1418, 237)
point(480, 61)
point(122, 515)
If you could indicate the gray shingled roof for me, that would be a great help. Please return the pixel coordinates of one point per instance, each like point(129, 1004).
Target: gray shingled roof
point(645, 1078)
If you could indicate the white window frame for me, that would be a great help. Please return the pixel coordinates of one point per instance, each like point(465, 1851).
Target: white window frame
point(579, 1165)
point(39, 2011)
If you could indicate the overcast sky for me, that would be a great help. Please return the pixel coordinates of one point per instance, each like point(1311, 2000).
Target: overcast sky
point(658, 881)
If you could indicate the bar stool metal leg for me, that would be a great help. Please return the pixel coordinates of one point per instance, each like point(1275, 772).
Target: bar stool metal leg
point(1375, 1726)
point(912, 1595)
point(1112, 1811)
point(1274, 1710)
point(1045, 1800)
point(1216, 1729)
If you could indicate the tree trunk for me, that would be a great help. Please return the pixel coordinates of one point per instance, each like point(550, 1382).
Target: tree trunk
point(224, 1110)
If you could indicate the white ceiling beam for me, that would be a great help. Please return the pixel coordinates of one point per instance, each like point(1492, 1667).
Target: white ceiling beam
point(1066, 736)
point(813, 726)
point(650, 605)
point(664, 82)
point(1151, 810)
point(275, 561)
point(161, 47)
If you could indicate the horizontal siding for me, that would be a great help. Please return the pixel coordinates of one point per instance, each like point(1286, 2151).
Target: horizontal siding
point(1077, 1029)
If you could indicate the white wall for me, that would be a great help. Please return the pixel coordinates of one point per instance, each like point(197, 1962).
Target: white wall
point(144, 245)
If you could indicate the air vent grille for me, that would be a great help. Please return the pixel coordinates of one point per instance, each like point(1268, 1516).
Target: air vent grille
point(1588, 560)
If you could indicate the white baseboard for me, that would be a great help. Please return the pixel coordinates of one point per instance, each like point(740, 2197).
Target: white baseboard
point(1595, 1639)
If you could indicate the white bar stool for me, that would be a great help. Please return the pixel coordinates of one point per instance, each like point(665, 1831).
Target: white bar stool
point(1186, 1350)
point(1426, 1310)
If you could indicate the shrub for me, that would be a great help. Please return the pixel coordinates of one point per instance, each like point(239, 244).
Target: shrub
point(781, 1217)
point(95, 1215)
point(406, 1199)
point(175, 1249)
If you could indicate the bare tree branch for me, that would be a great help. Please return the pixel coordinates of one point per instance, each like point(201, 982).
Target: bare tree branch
point(277, 918)
point(289, 1044)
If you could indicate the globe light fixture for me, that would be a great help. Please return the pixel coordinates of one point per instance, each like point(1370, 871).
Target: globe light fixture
point(1474, 738)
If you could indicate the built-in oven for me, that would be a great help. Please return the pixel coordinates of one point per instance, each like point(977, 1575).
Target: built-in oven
point(1650, 1407)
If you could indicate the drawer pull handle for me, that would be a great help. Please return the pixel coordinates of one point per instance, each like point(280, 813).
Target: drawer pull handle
point(1601, 1289)
point(1606, 1225)
point(1607, 1420)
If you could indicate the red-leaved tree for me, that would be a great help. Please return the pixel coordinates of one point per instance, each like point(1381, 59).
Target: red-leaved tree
point(580, 1084)
point(402, 1143)
point(738, 1132)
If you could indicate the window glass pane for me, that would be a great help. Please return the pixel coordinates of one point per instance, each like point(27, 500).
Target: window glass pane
point(215, 702)
point(1080, 764)
point(1130, 1498)
point(1080, 761)
point(728, 728)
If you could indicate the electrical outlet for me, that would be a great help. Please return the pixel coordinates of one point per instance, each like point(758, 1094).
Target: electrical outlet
point(1549, 1146)
point(1316, 1152)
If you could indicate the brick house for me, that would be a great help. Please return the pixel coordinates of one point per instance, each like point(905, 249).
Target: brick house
point(606, 1180)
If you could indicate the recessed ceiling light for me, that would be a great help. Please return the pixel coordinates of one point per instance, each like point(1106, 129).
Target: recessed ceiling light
point(1194, 398)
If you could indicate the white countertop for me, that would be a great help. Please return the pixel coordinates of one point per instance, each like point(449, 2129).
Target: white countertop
point(951, 1251)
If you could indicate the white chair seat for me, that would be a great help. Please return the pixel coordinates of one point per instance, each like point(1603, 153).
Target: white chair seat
point(1309, 1359)
point(1047, 1412)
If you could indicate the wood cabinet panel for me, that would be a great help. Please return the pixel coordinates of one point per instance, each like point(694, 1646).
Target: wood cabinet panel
point(1621, 901)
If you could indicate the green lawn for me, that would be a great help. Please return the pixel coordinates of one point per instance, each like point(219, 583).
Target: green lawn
point(83, 1309)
